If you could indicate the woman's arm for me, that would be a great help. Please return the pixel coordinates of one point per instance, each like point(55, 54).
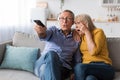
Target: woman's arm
point(95, 41)
point(90, 42)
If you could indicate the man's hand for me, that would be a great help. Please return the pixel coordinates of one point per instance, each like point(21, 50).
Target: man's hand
point(41, 31)
point(72, 77)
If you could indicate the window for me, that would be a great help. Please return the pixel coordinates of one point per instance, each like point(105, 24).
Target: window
point(14, 15)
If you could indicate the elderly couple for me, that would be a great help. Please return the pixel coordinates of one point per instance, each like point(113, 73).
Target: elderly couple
point(79, 53)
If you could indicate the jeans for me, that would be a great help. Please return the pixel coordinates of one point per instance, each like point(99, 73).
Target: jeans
point(90, 77)
point(49, 67)
point(93, 71)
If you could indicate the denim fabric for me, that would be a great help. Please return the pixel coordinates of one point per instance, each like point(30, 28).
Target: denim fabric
point(38, 66)
point(101, 71)
point(91, 77)
point(49, 67)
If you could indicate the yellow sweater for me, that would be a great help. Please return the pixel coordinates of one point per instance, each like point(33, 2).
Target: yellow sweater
point(100, 52)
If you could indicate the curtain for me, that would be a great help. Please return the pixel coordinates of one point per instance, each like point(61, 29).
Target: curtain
point(15, 16)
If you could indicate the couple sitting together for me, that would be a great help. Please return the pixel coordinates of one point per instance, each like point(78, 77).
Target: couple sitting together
point(79, 53)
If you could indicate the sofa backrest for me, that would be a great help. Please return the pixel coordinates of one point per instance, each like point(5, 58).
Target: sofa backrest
point(114, 51)
point(28, 40)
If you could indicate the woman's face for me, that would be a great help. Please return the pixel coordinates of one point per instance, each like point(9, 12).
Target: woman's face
point(79, 27)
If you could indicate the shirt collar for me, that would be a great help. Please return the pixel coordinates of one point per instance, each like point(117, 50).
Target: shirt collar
point(69, 35)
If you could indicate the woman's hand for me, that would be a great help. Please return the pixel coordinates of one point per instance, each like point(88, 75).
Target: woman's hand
point(83, 27)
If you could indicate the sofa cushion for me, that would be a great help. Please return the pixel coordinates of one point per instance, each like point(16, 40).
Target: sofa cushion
point(9, 74)
point(117, 75)
point(22, 58)
point(114, 51)
point(27, 40)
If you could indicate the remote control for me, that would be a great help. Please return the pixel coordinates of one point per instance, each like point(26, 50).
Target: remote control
point(39, 23)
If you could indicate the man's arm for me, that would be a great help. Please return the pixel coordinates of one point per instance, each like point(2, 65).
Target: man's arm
point(77, 58)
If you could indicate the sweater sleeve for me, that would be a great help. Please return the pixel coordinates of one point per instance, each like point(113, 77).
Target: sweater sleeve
point(99, 39)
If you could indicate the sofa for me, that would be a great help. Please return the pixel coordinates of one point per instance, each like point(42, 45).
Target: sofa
point(32, 41)
point(19, 73)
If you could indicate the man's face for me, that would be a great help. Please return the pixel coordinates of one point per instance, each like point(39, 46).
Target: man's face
point(66, 21)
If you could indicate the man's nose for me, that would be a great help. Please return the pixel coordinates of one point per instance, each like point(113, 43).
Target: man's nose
point(65, 20)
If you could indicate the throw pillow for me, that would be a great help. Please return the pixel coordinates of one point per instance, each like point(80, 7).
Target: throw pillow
point(22, 58)
point(27, 40)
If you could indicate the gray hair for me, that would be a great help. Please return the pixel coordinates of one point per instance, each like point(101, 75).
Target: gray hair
point(85, 18)
point(69, 11)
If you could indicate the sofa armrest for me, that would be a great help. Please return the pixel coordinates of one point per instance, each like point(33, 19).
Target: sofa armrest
point(2, 49)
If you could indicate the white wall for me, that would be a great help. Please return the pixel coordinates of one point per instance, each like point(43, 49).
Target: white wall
point(92, 7)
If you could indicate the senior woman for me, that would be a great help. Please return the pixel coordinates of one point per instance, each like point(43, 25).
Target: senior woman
point(96, 64)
